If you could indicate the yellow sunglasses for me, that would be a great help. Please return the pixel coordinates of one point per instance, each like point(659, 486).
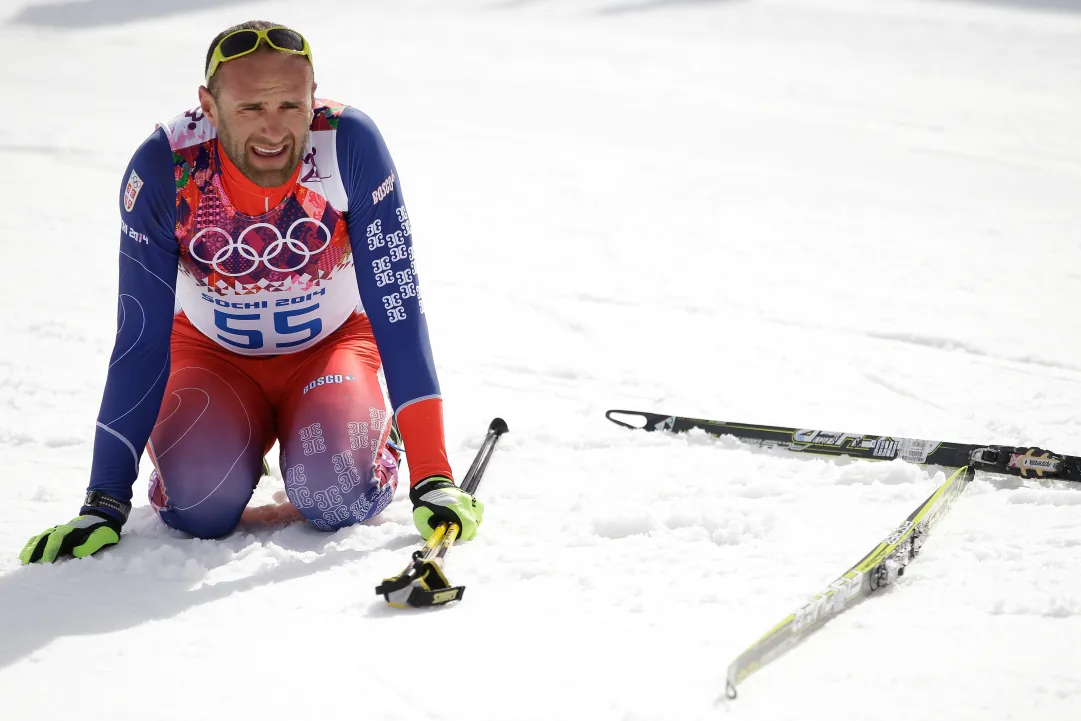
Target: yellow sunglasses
point(243, 42)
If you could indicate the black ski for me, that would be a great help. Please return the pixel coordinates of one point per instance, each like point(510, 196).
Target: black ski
point(1011, 460)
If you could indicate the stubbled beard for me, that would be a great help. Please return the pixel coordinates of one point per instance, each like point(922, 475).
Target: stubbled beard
point(237, 152)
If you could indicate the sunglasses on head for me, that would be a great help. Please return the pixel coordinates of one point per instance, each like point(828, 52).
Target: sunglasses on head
point(243, 42)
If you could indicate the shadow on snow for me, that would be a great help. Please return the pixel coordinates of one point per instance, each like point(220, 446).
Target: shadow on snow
point(147, 577)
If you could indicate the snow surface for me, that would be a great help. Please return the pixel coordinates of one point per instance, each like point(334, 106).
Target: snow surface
point(821, 213)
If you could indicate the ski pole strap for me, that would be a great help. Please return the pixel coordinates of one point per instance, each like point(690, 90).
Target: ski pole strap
point(423, 582)
point(424, 597)
point(430, 587)
point(409, 575)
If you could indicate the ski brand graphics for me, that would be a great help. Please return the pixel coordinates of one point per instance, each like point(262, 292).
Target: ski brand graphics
point(807, 440)
point(1038, 464)
point(885, 448)
point(832, 601)
point(913, 450)
point(131, 191)
point(899, 533)
point(880, 446)
point(822, 438)
point(385, 188)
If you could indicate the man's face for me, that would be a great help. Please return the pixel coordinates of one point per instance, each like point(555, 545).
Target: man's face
point(263, 113)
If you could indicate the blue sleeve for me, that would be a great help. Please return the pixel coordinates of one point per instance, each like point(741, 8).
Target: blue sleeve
point(383, 256)
point(139, 366)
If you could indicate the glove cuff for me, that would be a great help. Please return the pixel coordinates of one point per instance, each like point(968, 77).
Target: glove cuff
point(428, 484)
point(104, 514)
point(97, 503)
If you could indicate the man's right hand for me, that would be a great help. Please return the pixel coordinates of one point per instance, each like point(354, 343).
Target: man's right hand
point(437, 500)
point(79, 537)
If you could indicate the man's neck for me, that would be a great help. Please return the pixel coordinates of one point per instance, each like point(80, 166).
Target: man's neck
point(246, 196)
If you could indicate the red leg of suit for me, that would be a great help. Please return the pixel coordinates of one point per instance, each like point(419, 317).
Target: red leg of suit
point(332, 427)
point(222, 412)
point(213, 429)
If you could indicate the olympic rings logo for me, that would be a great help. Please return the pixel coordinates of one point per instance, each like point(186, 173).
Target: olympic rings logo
point(272, 251)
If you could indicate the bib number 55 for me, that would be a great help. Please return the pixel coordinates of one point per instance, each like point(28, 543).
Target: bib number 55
point(287, 323)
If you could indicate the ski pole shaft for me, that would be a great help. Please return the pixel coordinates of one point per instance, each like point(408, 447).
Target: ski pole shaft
point(496, 428)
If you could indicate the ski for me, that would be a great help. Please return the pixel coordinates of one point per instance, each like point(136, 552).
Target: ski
point(879, 568)
point(1026, 462)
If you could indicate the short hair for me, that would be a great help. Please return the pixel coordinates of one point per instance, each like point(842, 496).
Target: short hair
point(212, 85)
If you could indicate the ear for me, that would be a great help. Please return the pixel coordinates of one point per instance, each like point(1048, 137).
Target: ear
point(210, 108)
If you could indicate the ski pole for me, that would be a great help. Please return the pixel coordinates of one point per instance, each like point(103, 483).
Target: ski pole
point(423, 582)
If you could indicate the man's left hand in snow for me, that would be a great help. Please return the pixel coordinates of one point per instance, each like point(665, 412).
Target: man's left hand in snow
point(437, 500)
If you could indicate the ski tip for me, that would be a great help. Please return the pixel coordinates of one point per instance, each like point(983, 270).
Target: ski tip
point(632, 419)
point(498, 426)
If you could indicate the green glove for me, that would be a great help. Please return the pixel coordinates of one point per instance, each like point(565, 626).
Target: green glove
point(437, 500)
point(79, 537)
